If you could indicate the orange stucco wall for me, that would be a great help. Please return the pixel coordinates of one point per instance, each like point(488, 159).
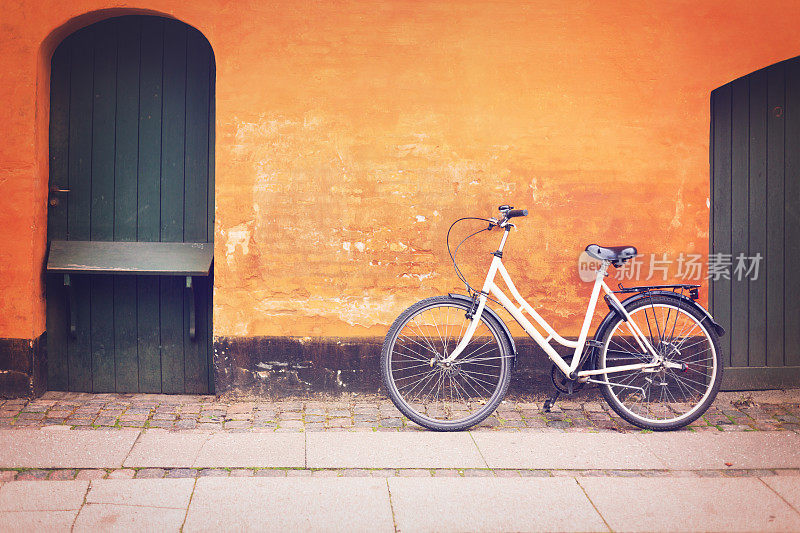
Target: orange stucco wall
point(351, 133)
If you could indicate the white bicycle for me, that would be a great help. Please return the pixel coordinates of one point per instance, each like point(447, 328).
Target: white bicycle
point(446, 361)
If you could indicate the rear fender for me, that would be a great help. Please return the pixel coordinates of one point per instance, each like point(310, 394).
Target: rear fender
point(707, 318)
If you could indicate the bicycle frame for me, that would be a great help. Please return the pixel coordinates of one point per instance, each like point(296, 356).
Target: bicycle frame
point(516, 311)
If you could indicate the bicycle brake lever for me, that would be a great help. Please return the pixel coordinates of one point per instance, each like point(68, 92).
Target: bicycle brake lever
point(492, 223)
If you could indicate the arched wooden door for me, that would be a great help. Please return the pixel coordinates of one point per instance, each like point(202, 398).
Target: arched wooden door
point(755, 211)
point(131, 159)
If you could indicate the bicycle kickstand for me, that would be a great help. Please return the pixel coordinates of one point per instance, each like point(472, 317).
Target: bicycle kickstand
point(548, 403)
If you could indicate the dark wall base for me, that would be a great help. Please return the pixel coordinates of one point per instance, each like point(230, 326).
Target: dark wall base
point(23, 367)
point(283, 366)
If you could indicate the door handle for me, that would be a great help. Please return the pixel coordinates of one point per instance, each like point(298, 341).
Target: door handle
point(53, 199)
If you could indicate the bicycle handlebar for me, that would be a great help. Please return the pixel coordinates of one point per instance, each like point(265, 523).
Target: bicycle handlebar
point(516, 213)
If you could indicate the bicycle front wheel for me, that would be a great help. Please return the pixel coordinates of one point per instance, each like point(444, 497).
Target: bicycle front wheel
point(436, 394)
point(681, 388)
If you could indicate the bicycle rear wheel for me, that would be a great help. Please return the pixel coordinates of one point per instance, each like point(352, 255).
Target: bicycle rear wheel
point(675, 393)
point(438, 395)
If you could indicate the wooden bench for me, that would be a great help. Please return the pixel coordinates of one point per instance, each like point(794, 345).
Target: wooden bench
point(131, 258)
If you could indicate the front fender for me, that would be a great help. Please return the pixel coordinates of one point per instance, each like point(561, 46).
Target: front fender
point(606, 323)
point(490, 311)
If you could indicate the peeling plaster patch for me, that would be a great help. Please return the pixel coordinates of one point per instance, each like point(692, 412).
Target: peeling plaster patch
point(346, 246)
point(421, 218)
point(355, 311)
point(360, 246)
point(420, 277)
point(676, 220)
point(238, 236)
point(398, 247)
point(534, 186)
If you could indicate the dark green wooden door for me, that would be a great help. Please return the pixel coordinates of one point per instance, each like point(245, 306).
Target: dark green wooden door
point(132, 140)
point(755, 209)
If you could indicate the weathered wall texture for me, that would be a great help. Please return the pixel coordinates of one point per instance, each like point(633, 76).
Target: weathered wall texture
point(351, 133)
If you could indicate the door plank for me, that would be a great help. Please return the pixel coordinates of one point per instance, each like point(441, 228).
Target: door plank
point(79, 348)
point(102, 210)
point(211, 145)
point(173, 132)
point(721, 208)
point(740, 140)
point(196, 157)
point(773, 266)
point(148, 333)
point(792, 216)
point(127, 130)
point(103, 132)
point(102, 333)
point(126, 363)
point(195, 350)
point(149, 141)
point(757, 212)
point(56, 317)
point(80, 137)
point(172, 322)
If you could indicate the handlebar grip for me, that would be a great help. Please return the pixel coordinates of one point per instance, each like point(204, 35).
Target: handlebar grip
point(516, 213)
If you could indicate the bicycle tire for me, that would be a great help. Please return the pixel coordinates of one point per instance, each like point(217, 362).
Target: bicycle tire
point(425, 350)
point(701, 359)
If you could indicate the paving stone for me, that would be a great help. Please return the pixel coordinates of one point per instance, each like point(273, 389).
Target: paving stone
point(62, 475)
point(212, 472)
point(325, 473)
point(298, 473)
point(122, 473)
point(149, 473)
point(242, 472)
point(270, 472)
point(353, 504)
point(713, 504)
point(41, 496)
point(413, 472)
point(182, 473)
point(492, 504)
point(32, 474)
point(91, 473)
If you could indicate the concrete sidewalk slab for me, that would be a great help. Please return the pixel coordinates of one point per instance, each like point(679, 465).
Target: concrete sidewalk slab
point(392, 450)
point(565, 451)
point(689, 504)
point(492, 504)
point(165, 493)
point(290, 504)
point(42, 495)
point(104, 517)
point(265, 450)
point(707, 450)
point(37, 521)
point(43, 448)
point(159, 448)
point(787, 487)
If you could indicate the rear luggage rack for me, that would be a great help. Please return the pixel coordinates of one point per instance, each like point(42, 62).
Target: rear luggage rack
point(694, 294)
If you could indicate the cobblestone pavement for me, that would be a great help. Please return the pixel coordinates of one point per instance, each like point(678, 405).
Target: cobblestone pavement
point(582, 413)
